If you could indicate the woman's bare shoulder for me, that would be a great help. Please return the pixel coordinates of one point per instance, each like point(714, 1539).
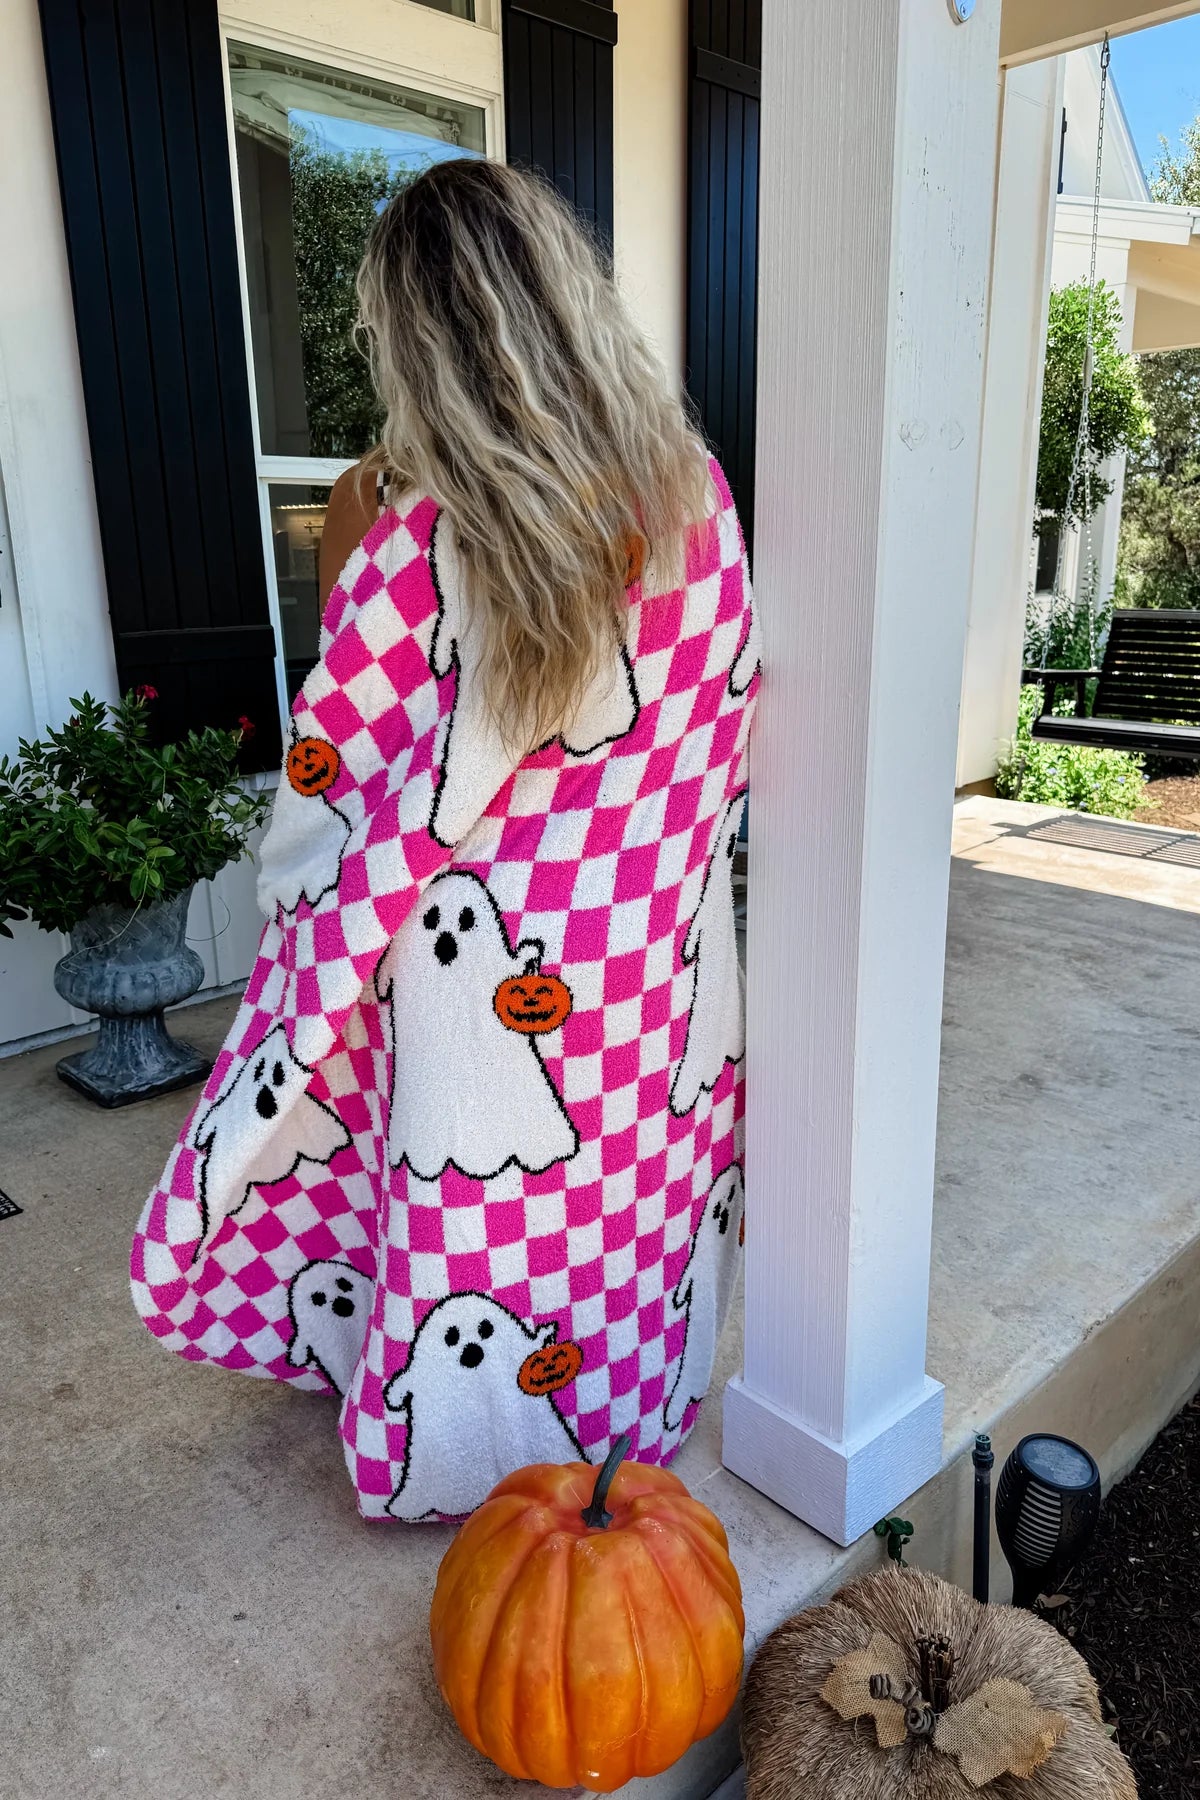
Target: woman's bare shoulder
point(350, 514)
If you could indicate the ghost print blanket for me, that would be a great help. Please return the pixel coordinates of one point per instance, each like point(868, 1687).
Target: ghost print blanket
point(470, 1160)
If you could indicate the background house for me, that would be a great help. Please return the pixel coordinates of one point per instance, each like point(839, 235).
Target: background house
point(186, 194)
point(1149, 255)
point(163, 485)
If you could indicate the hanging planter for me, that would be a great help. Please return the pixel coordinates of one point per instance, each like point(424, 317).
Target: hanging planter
point(904, 1688)
point(587, 1625)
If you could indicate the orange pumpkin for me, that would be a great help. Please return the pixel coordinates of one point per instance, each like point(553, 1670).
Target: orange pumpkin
point(555, 1366)
point(312, 765)
point(588, 1627)
point(532, 1002)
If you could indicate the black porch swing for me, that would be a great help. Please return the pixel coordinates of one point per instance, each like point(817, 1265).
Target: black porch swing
point(1147, 697)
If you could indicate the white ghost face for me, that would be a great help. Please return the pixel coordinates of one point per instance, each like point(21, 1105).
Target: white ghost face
point(466, 1090)
point(465, 1337)
point(259, 1129)
point(329, 1303)
point(716, 1031)
point(471, 1417)
point(703, 1292)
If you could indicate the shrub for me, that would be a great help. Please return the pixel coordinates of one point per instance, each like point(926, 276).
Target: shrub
point(93, 814)
point(1117, 414)
point(1067, 775)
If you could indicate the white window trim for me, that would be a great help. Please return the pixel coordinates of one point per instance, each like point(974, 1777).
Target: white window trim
point(452, 59)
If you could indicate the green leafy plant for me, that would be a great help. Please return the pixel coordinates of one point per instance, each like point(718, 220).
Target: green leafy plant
point(1073, 776)
point(95, 814)
point(1118, 418)
point(1067, 631)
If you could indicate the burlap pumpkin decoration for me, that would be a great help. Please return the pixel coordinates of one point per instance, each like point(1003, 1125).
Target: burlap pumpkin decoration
point(1041, 1711)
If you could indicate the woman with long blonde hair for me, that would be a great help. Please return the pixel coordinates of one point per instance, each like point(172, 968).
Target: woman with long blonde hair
point(471, 1157)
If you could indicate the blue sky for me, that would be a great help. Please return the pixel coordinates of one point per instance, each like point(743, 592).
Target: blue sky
point(1158, 77)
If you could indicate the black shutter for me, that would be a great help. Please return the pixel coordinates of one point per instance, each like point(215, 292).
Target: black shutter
point(138, 102)
point(558, 98)
point(722, 278)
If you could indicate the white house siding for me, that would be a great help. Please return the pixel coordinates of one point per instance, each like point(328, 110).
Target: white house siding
point(54, 637)
point(650, 172)
point(54, 629)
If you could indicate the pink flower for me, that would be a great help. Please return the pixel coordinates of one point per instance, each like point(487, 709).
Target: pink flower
point(146, 692)
point(248, 727)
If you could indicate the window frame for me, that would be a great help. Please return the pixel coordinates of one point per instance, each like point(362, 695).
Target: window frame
point(434, 44)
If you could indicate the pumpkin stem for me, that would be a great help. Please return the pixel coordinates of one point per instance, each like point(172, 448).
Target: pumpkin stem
point(595, 1515)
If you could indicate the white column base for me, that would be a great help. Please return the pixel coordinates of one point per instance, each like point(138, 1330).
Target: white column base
point(840, 1489)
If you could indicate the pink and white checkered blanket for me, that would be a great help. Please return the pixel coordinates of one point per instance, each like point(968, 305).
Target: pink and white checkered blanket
point(470, 1158)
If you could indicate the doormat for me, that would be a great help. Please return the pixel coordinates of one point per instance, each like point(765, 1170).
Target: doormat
point(8, 1208)
point(1082, 831)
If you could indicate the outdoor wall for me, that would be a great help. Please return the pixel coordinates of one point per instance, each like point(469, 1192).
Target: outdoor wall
point(54, 637)
point(1019, 295)
point(54, 628)
point(650, 176)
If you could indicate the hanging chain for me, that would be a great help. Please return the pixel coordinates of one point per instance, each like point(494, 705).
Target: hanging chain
point(1080, 460)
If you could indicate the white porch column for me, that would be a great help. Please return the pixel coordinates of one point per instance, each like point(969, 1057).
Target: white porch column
point(878, 171)
point(1030, 134)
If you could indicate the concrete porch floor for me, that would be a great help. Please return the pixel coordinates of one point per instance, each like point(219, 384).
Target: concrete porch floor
point(189, 1604)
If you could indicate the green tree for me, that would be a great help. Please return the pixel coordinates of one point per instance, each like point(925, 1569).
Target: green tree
point(335, 201)
point(1159, 557)
point(1117, 414)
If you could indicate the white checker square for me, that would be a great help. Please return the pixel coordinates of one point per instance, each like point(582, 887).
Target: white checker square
point(585, 1243)
point(630, 924)
point(583, 1077)
point(648, 819)
point(591, 1389)
point(463, 1229)
point(217, 1341)
point(398, 1323)
point(428, 1274)
point(588, 1318)
point(620, 1108)
point(509, 1264)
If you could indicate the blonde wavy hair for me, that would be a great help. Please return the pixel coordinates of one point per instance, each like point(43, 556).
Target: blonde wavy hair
point(521, 396)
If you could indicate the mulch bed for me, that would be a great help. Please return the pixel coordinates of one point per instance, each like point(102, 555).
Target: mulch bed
point(1133, 1609)
point(1174, 801)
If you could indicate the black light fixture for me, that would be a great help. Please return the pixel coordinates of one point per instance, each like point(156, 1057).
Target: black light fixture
point(1047, 1505)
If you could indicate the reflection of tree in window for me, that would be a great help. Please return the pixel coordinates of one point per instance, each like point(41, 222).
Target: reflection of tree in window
point(335, 199)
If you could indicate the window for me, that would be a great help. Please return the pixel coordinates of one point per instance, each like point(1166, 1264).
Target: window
point(318, 150)
point(319, 154)
point(297, 521)
point(461, 9)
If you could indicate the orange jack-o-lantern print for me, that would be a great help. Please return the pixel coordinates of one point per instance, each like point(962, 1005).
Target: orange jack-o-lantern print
point(312, 765)
point(532, 1003)
point(545, 1371)
point(635, 559)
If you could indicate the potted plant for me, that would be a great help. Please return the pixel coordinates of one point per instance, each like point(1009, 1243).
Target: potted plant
point(103, 835)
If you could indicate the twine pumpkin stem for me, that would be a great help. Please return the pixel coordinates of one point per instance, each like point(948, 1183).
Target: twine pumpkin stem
point(595, 1514)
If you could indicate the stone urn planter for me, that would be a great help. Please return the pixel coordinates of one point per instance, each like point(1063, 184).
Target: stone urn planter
point(127, 964)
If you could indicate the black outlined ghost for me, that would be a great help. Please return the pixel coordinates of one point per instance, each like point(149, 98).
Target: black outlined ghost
point(259, 1129)
point(301, 851)
point(470, 1420)
point(703, 1292)
point(716, 1031)
point(475, 762)
point(466, 1090)
point(748, 660)
point(329, 1304)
